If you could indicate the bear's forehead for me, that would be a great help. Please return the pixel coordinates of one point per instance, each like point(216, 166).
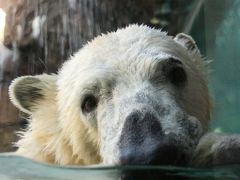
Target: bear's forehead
point(133, 50)
point(132, 40)
point(130, 34)
point(128, 47)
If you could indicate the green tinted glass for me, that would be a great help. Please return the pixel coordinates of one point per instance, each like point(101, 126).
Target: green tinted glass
point(216, 29)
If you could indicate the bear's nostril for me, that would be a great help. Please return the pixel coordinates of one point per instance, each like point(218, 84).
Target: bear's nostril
point(134, 117)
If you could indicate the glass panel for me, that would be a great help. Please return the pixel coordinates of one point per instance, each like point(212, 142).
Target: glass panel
point(217, 32)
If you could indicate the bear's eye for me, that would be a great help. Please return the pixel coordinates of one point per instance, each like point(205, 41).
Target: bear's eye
point(177, 75)
point(89, 104)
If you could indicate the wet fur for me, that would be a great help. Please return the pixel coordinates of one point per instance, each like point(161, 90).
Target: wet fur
point(114, 66)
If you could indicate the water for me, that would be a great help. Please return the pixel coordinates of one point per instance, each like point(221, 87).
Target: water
point(19, 168)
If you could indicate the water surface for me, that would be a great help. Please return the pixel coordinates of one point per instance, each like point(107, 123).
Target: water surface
point(19, 168)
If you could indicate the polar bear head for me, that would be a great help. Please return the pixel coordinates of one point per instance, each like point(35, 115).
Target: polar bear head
point(134, 96)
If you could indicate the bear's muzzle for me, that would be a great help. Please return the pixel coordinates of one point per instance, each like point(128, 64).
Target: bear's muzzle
point(143, 142)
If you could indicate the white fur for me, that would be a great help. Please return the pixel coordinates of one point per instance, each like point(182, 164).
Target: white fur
point(60, 133)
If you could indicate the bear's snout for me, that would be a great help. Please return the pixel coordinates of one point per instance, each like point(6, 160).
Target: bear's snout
point(143, 142)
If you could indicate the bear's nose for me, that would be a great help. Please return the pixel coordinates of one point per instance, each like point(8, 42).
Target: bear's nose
point(142, 142)
point(137, 125)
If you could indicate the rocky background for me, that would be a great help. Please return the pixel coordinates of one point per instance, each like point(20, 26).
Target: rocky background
point(41, 34)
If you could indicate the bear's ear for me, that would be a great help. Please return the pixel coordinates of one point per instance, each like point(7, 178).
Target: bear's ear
point(27, 91)
point(187, 42)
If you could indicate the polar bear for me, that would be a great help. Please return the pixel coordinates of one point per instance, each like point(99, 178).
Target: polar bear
point(134, 96)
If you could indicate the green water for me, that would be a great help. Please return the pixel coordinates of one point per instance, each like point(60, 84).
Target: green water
point(19, 168)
